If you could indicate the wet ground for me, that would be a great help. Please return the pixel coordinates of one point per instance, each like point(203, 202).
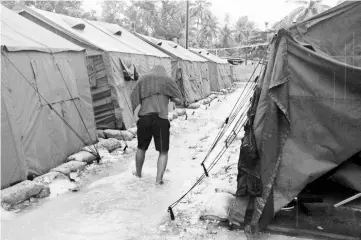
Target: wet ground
point(113, 204)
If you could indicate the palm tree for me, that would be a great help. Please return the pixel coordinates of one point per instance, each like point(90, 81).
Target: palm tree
point(244, 29)
point(210, 30)
point(226, 35)
point(200, 10)
point(308, 9)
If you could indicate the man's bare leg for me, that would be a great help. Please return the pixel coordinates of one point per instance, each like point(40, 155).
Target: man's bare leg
point(161, 166)
point(139, 161)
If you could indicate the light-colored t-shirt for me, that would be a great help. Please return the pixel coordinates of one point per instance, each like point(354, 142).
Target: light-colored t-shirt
point(155, 104)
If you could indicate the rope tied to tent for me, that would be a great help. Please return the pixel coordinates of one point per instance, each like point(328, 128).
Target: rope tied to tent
point(236, 129)
point(233, 114)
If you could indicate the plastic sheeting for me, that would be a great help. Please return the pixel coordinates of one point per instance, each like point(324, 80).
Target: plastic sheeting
point(308, 116)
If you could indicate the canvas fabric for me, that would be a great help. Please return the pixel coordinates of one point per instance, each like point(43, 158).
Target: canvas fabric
point(308, 116)
point(34, 139)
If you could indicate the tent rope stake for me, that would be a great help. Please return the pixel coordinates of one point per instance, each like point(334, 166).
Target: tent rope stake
point(205, 170)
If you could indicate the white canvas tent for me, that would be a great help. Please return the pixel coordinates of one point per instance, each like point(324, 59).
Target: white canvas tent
point(219, 70)
point(115, 56)
point(41, 74)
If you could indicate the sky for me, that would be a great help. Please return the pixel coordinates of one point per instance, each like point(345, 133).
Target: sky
point(259, 11)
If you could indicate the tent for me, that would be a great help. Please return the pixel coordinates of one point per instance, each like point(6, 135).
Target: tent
point(189, 70)
point(306, 112)
point(219, 70)
point(115, 58)
point(41, 74)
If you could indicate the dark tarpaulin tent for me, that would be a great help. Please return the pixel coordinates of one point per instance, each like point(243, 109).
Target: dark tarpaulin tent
point(34, 138)
point(305, 118)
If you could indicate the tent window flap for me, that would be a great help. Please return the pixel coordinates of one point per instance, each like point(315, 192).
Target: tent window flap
point(55, 82)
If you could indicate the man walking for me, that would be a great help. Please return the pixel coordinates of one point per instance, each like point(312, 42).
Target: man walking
point(153, 92)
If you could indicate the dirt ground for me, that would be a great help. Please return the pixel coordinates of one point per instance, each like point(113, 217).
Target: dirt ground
point(113, 204)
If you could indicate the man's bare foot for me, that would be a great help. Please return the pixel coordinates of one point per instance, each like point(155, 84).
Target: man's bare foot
point(135, 174)
point(159, 182)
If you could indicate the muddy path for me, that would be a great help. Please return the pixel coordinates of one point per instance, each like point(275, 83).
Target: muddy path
point(113, 204)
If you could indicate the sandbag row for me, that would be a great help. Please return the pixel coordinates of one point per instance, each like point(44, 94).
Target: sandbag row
point(205, 101)
point(213, 96)
point(109, 140)
point(39, 187)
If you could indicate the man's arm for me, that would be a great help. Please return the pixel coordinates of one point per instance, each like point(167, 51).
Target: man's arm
point(179, 102)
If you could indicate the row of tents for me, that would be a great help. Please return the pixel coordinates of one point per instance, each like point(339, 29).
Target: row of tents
point(63, 78)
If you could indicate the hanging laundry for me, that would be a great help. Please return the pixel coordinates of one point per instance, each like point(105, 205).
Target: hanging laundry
point(128, 71)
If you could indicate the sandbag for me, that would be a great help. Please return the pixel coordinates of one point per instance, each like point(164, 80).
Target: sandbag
point(100, 134)
point(109, 144)
point(181, 111)
point(194, 106)
point(49, 177)
point(217, 207)
point(83, 156)
point(19, 193)
point(206, 101)
point(224, 91)
point(212, 96)
point(117, 134)
point(69, 167)
point(93, 148)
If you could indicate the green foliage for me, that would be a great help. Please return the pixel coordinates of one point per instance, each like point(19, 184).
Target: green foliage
point(70, 8)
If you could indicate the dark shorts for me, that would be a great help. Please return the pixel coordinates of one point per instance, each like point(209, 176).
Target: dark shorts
point(156, 127)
